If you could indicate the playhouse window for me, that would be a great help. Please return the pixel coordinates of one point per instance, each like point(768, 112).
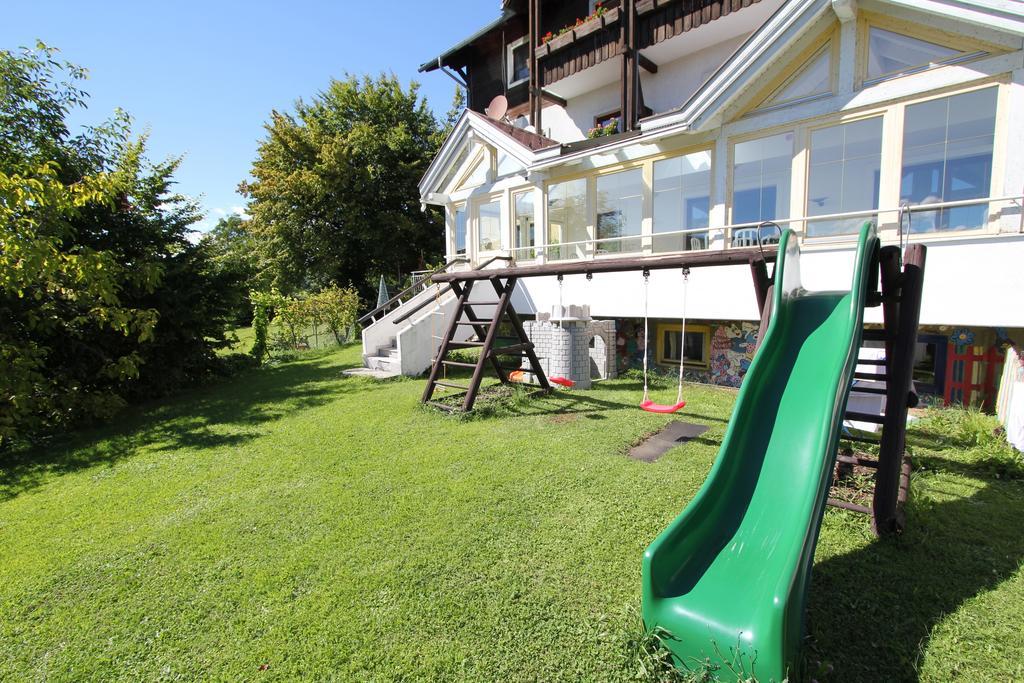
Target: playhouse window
point(524, 225)
point(620, 207)
point(947, 156)
point(488, 226)
point(762, 169)
point(567, 219)
point(460, 230)
point(682, 191)
point(845, 164)
point(672, 345)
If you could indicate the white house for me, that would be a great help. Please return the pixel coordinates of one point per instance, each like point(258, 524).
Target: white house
point(814, 114)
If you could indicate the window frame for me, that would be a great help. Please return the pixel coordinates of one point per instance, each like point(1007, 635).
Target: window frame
point(474, 220)
point(535, 248)
point(806, 168)
point(455, 253)
point(971, 50)
point(659, 355)
point(510, 61)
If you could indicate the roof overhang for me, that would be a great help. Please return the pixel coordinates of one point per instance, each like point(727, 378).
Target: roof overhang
point(444, 58)
point(473, 127)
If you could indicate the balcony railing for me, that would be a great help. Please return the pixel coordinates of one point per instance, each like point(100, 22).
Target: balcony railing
point(900, 220)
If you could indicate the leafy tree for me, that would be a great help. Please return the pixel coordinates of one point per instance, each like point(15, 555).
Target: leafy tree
point(234, 251)
point(102, 295)
point(334, 199)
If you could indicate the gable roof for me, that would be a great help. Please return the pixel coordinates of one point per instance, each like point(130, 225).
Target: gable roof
point(790, 22)
point(524, 146)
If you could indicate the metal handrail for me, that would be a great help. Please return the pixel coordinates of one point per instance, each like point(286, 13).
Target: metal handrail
point(907, 209)
point(444, 290)
point(387, 304)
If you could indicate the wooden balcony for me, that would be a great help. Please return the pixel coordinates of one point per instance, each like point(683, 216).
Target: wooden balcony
point(601, 38)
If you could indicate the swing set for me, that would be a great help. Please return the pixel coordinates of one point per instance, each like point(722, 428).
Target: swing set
point(485, 315)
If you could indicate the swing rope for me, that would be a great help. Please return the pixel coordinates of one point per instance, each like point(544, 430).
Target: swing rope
point(647, 404)
point(561, 381)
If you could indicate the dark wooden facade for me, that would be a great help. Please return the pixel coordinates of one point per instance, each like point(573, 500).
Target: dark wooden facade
point(625, 29)
point(658, 21)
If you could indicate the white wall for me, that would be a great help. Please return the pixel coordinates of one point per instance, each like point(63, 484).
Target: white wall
point(677, 80)
point(967, 282)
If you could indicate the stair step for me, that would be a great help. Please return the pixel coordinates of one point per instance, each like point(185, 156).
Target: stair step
point(870, 375)
point(865, 417)
point(870, 390)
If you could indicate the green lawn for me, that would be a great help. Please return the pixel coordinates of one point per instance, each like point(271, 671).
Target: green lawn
point(296, 524)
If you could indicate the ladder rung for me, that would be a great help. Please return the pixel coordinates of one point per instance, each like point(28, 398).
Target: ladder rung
point(482, 303)
point(466, 344)
point(870, 375)
point(459, 364)
point(849, 506)
point(515, 348)
point(450, 385)
point(875, 335)
point(865, 417)
point(870, 390)
point(854, 460)
point(475, 323)
point(872, 361)
point(443, 406)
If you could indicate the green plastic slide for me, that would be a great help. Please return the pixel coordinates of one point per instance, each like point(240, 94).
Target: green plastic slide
point(726, 582)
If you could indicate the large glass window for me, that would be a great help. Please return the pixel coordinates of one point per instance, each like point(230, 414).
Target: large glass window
point(947, 156)
point(524, 216)
point(460, 230)
point(488, 226)
point(567, 219)
point(843, 175)
point(815, 78)
point(620, 208)
point(893, 54)
point(682, 192)
point(762, 170)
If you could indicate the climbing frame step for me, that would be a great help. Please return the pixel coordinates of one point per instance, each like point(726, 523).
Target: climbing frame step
point(487, 328)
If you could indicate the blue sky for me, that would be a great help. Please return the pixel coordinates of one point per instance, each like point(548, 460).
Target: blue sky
point(202, 77)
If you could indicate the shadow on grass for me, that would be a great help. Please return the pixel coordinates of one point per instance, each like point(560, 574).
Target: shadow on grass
point(226, 414)
point(872, 611)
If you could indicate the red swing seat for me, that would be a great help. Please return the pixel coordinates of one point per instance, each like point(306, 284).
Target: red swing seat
point(652, 407)
point(562, 381)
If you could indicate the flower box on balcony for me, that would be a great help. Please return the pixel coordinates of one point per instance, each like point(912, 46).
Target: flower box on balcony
point(558, 42)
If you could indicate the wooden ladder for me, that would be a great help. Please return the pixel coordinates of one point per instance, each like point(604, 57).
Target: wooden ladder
point(487, 333)
point(900, 298)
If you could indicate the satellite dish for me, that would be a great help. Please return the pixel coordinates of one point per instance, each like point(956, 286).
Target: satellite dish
point(497, 109)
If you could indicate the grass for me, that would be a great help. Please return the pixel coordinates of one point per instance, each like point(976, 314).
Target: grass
point(296, 524)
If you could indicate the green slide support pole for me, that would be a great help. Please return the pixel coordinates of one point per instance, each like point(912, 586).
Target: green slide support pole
point(726, 582)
